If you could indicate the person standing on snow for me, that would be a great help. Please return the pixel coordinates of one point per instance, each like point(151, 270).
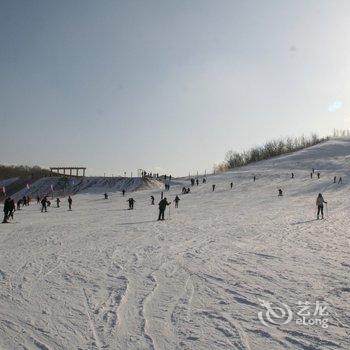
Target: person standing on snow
point(334, 179)
point(19, 203)
point(44, 204)
point(6, 210)
point(319, 203)
point(340, 180)
point(177, 200)
point(213, 187)
point(70, 201)
point(131, 202)
point(152, 200)
point(12, 208)
point(231, 184)
point(58, 202)
point(162, 206)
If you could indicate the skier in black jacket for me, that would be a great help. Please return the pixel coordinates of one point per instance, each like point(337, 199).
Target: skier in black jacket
point(177, 200)
point(70, 201)
point(12, 208)
point(131, 202)
point(162, 206)
point(44, 204)
point(6, 210)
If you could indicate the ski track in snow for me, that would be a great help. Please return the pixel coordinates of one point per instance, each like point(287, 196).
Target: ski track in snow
point(102, 277)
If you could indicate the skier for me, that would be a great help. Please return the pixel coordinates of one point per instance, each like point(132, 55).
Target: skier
point(44, 204)
point(106, 195)
point(58, 202)
point(254, 178)
point(318, 175)
point(311, 175)
point(192, 182)
point(197, 182)
point(70, 201)
point(319, 203)
point(162, 206)
point(6, 210)
point(292, 175)
point(177, 200)
point(131, 202)
point(213, 187)
point(161, 195)
point(19, 203)
point(334, 179)
point(280, 193)
point(123, 192)
point(12, 208)
point(340, 180)
point(152, 200)
point(231, 184)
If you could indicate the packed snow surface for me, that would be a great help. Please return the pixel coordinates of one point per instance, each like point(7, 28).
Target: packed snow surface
point(103, 277)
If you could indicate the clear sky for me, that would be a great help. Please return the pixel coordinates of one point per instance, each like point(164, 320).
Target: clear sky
point(166, 85)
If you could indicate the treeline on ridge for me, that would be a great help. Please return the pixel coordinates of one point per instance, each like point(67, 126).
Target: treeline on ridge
point(268, 150)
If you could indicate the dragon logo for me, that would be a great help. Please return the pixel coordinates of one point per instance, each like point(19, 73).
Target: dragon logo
point(274, 315)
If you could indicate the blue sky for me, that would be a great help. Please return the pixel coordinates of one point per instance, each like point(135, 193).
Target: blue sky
point(167, 86)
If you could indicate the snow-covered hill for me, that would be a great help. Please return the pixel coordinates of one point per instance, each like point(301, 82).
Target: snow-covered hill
point(61, 186)
point(103, 277)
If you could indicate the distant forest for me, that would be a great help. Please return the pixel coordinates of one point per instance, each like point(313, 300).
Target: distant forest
point(268, 150)
point(22, 172)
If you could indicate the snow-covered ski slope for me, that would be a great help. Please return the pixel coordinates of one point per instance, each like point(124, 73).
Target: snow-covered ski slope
point(72, 185)
point(103, 277)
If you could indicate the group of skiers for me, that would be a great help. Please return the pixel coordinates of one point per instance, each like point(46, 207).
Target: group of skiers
point(9, 204)
point(152, 175)
point(185, 190)
point(10, 208)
